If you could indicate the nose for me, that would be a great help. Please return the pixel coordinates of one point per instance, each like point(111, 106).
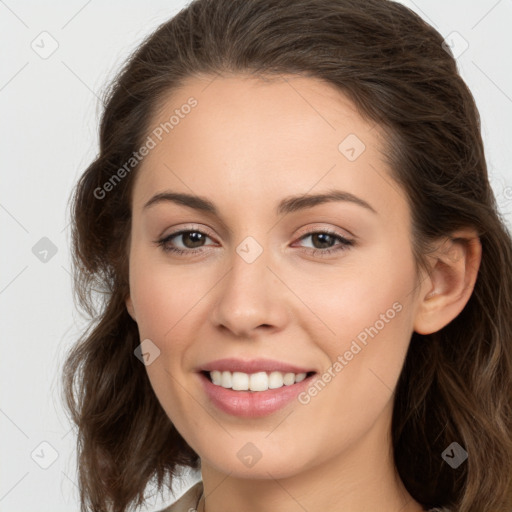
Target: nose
point(250, 298)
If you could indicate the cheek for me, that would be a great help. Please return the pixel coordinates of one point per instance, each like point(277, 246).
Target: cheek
point(162, 295)
point(370, 293)
point(164, 299)
point(369, 317)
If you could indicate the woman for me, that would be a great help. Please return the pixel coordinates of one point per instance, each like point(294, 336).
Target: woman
point(306, 282)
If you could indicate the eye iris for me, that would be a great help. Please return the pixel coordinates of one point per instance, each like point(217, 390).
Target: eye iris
point(191, 235)
point(321, 235)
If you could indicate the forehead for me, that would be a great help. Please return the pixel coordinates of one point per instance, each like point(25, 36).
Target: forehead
point(262, 139)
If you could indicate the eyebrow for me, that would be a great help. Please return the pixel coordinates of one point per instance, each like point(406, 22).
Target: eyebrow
point(287, 205)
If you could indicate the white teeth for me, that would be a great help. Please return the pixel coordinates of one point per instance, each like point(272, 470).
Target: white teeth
point(289, 379)
point(260, 381)
point(275, 380)
point(216, 377)
point(240, 381)
point(226, 380)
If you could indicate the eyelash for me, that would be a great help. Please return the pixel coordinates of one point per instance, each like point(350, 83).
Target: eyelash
point(344, 245)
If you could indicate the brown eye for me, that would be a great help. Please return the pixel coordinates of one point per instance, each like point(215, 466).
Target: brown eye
point(192, 240)
point(323, 242)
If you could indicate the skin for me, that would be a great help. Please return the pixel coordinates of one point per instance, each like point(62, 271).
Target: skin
point(248, 144)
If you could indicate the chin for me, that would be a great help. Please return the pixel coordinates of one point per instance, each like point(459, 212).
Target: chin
point(253, 460)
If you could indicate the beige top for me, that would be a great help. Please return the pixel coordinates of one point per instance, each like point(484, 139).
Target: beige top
point(190, 499)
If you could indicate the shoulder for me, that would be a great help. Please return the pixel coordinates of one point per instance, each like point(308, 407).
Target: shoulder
point(188, 501)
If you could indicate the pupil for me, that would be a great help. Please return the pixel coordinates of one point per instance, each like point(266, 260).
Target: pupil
point(322, 235)
point(193, 234)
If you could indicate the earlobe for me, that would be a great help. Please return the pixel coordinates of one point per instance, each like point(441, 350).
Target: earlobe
point(450, 283)
point(129, 307)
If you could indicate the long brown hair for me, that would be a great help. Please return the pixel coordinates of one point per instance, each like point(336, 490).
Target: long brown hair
point(455, 385)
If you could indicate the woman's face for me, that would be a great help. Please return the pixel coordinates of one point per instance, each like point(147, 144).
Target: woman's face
point(260, 278)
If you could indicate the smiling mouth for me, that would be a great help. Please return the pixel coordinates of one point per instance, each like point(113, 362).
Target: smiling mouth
point(255, 382)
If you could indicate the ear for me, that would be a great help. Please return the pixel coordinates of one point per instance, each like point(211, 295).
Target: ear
point(130, 308)
point(450, 283)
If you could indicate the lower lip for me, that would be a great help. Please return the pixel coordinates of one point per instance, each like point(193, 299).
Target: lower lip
point(252, 404)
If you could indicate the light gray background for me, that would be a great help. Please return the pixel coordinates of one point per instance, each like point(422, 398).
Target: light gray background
point(50, 113)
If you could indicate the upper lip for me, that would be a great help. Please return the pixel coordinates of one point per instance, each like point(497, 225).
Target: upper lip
point(252, 366)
